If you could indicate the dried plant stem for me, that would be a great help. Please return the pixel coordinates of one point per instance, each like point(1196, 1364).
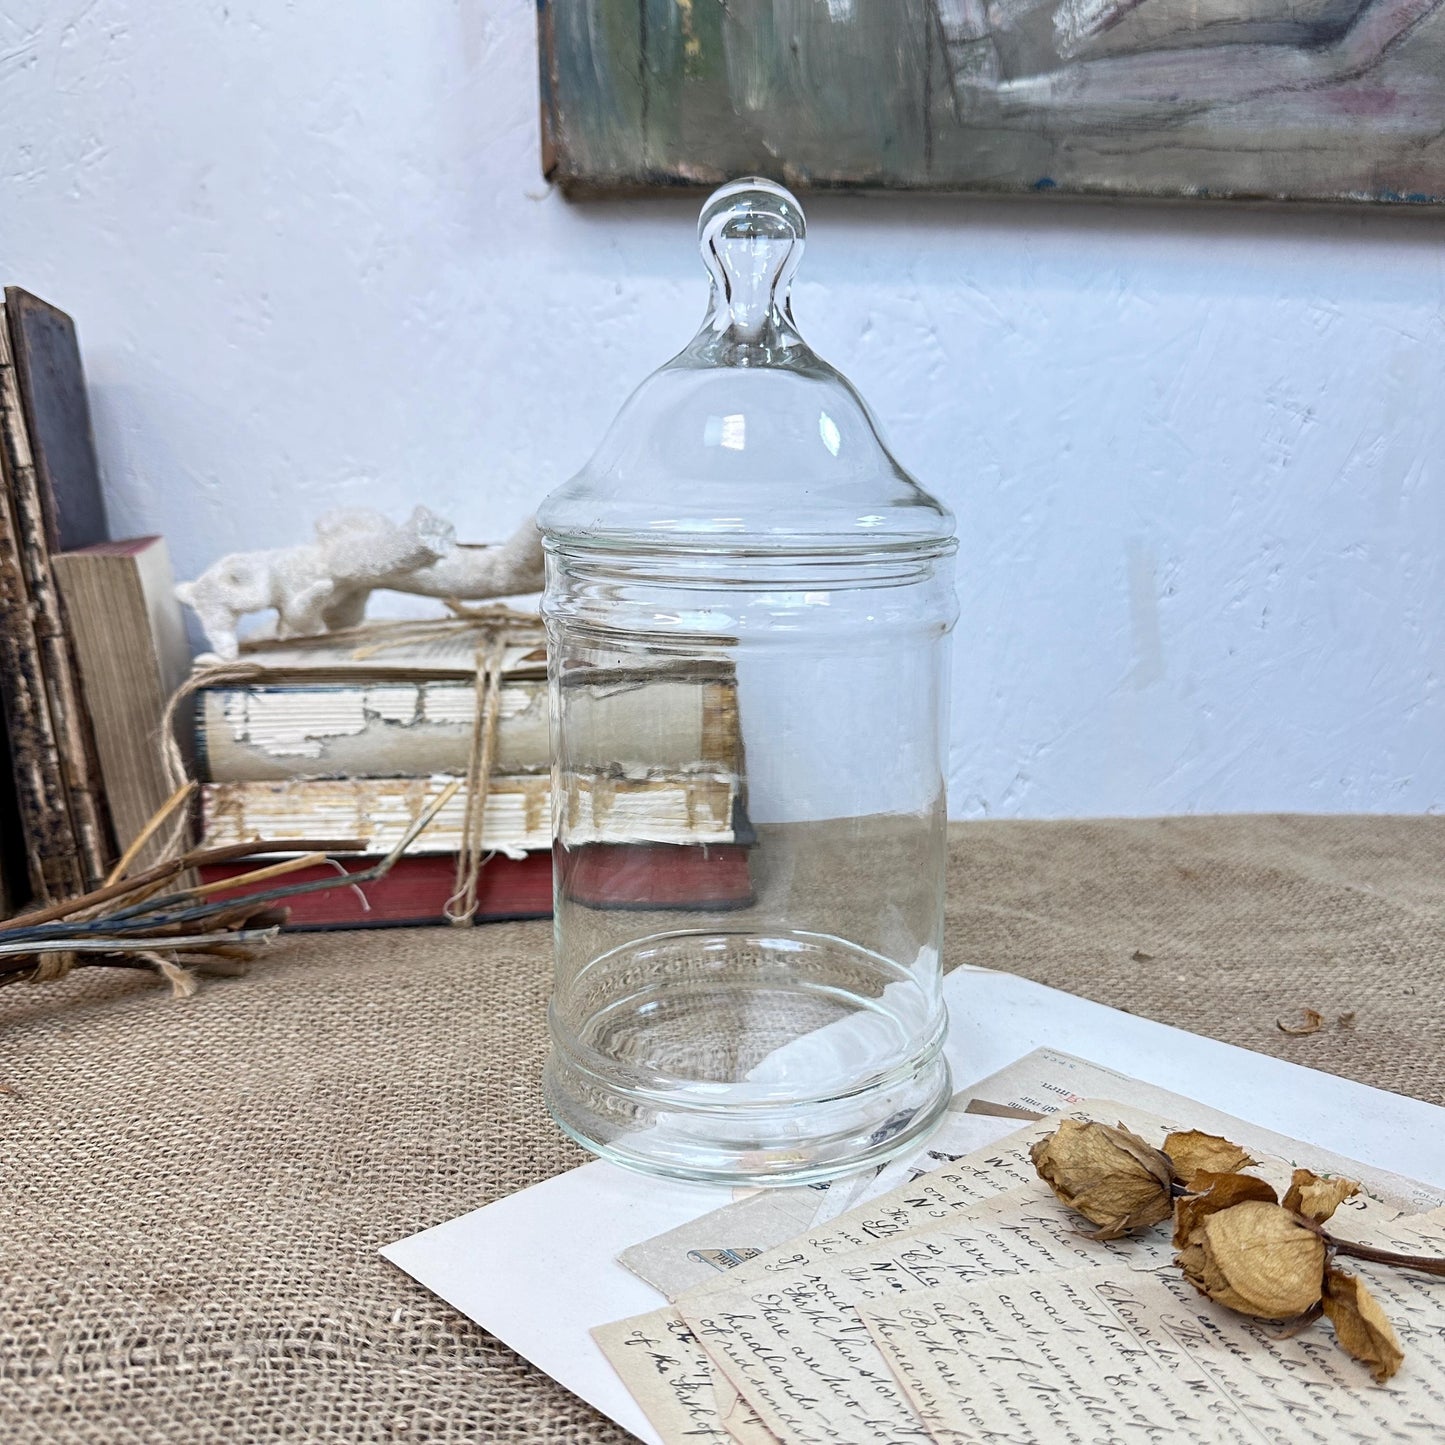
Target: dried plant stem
point(158, 819)
point(139, 895)
point(162, 871)
point(186, 928)
point(133, 945)
point(259, 875)
point(1426, 1264)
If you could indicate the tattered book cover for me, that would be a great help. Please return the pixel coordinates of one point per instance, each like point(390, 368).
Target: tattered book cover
point(1286, 100)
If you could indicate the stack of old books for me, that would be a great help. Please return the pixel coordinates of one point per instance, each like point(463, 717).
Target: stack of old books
point(358, 736)
point(91, 640)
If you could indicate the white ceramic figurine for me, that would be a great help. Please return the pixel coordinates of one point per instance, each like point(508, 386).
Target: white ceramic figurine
point(324, 585)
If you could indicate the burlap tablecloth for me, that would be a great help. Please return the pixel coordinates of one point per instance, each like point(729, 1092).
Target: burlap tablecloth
point(192, 1193)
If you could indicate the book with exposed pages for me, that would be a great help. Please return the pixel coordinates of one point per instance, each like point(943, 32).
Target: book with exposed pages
point(323, 711)
point(517, 818)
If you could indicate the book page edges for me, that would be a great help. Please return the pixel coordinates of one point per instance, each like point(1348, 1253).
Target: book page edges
point(517, 816)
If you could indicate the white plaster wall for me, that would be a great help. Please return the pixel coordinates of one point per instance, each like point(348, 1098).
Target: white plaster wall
point(1196, 455)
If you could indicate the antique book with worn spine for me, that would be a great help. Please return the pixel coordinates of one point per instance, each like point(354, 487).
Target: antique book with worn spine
point(14, 884)
point(323, 712)
point(41, 855)
point(52, 388)
point(51, 499)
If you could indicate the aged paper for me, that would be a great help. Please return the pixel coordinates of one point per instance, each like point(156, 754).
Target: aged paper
point(668, 1374)
point(716, 1243)
point(1044, 1352)
point(657, 1354)
point(739, 1418)
point(957, 1136)
point(759, 1221)
point(792, 1309)
point(914, 1205)
point(1043, 1358)
point(680, 1389)
point(799, 1363)
point(844, 1194)
point(1109, 1352)
point(1411, 1406)
point(795, 1347)
point(923, 1202)
point(742, 1423)
point(929, 1367)
point(1296, 1386)
point(701, 1250)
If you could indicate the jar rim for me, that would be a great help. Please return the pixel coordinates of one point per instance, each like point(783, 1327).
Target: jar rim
point(813, 548)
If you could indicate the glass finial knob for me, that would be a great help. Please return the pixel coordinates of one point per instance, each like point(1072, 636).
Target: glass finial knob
point(751, 235)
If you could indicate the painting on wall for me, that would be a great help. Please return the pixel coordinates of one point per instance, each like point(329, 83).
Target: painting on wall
point(1281, 100)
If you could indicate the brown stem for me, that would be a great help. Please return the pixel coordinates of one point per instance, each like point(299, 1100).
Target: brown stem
point(1426, 1264)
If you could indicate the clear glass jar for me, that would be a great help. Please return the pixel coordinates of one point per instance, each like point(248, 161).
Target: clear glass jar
point(748, 606)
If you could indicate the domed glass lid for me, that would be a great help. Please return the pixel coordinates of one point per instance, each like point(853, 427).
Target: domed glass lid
point(746, 439)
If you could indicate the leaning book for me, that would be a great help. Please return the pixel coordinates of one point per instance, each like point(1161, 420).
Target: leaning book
point(49, 499)
point(130, 640)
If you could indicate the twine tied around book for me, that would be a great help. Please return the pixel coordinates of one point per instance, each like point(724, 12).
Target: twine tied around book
point(174, 760)
point(462, 905)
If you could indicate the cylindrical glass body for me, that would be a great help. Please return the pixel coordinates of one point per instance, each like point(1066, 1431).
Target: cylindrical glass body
point(780, 1016)
point(748, 606)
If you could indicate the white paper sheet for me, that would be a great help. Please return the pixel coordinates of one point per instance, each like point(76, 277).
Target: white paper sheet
point(539, 1270)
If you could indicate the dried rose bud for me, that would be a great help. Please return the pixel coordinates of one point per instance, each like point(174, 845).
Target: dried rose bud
point(1215, 1192)
point(1193, 1153)
point(1360, 1324)
point(1317, 1198)
point(1110, 1176)
point(1257, 1259)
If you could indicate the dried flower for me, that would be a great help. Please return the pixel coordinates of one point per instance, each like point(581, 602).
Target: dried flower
point(1258, 1259)
point(1238, 1243)
point(1317, 1198)
point(1109, 1175)
point(1360, 1324)
point(1215, 1192)
point(1193, 1153)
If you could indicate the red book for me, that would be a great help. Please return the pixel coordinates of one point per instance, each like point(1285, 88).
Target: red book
point(601, 875)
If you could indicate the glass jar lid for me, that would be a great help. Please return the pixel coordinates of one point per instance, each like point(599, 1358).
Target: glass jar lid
point(746, 439)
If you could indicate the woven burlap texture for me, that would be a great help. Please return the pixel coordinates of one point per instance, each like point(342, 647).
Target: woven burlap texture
point(193, 1193)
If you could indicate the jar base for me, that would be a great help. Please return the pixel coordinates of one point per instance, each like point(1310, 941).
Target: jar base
point(779, 1059)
